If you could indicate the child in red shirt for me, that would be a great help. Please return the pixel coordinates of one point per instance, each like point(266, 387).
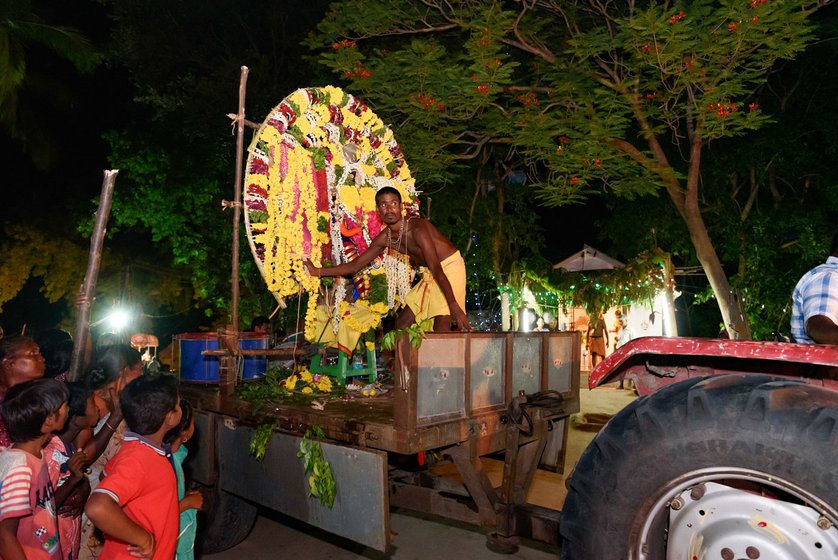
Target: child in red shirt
point(28, 525)
point(136, 504)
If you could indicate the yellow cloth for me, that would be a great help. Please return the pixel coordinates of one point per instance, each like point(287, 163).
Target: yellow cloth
point(426, 299)
point(346, 339)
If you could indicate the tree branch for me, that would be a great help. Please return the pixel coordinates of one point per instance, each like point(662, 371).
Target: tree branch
point(522, 43)
point(397, 31)
point(543, 89)
point(648, 163)
point(752, 197)
point(475, 151)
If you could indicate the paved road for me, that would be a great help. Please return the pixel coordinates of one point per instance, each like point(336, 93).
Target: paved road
point(416, 537)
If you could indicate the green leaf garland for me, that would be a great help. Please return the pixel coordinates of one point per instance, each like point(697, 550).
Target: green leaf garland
point(321, 481)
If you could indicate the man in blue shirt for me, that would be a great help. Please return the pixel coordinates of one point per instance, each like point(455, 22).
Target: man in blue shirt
point(814, 316)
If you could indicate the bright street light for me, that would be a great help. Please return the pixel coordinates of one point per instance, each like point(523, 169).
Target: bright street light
point(118, 319)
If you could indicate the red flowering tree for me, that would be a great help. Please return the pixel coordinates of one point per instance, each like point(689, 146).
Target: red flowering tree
point(583, 96)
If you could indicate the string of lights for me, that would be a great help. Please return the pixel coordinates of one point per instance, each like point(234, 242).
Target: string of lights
point(594, 290)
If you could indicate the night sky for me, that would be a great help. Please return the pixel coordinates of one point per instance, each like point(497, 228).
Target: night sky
point(72, 110)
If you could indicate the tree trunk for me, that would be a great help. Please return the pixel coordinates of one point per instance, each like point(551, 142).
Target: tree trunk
point(730, 306)
point(687, 204)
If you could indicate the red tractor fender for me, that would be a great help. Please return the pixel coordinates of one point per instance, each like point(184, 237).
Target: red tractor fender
point(654, 362)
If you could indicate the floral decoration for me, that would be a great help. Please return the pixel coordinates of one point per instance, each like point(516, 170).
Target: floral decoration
point(312, 172)
point(303, 381)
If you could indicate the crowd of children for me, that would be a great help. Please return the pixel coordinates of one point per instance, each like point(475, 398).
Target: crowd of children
point(101, 457)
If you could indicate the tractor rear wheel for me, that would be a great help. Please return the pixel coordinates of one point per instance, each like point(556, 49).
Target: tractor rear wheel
point(728, 467)
point(226, 522)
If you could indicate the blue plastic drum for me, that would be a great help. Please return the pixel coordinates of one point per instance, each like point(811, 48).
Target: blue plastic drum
point(197, 368)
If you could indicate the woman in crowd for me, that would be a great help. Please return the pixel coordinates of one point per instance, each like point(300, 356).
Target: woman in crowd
point(113, 369)
point(57, 349)
point(20, 360)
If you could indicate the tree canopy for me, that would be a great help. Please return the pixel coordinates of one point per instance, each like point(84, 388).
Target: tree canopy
point(584, 97)
point(703, 125)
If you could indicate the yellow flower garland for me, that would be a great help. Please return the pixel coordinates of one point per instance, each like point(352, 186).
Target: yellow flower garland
point(281, 196)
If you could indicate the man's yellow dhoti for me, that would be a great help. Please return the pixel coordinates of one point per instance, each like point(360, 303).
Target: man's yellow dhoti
point(426, 299)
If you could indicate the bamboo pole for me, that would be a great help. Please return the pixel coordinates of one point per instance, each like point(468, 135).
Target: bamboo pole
point(240, 124)
point(229, 339)
point(92, 274)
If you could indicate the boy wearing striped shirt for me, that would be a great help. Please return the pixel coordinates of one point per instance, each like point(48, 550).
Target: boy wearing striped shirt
point(28, 524)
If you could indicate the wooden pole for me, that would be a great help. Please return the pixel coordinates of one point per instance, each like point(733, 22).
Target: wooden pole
point(240, 124)
point(92, 274)
point(229, 340)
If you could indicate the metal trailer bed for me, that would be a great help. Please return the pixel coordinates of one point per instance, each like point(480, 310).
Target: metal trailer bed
point(459, 394)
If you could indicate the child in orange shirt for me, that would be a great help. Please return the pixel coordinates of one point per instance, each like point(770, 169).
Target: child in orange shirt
point(136, 504)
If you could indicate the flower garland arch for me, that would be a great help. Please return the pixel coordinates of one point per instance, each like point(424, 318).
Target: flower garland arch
point(312, 172)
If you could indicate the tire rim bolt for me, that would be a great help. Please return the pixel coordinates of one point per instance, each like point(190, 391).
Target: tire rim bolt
point(824, 523)
point(698, 492)
point(727, 554)
point(752, 552)
point(676, 503)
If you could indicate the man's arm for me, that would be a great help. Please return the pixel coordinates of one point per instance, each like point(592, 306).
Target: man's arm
point(431, 258)
point(106, 514)
point(10, 548)
point(822, 329)
point(375, 249)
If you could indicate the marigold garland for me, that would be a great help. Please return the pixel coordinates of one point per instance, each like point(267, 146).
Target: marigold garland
point(313, 169)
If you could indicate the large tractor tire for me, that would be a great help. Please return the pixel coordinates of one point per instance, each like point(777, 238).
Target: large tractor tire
point(225, 523)
point(725, 467)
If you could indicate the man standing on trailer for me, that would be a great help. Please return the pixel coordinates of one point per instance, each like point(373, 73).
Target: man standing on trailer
point(814, 317)
point(441, 294)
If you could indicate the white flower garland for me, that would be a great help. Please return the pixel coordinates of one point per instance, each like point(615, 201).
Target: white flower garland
point(398, 279)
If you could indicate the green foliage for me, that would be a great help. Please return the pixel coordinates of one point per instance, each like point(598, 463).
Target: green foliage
point(598, 290)
point(474, 75)
point(435, 89)
point(182, 218)
point(321, 481)
point(259, 441)
point(415, 334)
point(28, 251)
point(378, 289)
point(175, 153)
point(19, 27)
point(273, 388)
point(770, 201)
point(617, 98)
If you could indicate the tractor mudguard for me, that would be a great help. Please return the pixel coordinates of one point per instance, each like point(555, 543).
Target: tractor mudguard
point(655, 362)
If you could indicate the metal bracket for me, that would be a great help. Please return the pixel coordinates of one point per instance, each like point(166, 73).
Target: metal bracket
point(662, 371)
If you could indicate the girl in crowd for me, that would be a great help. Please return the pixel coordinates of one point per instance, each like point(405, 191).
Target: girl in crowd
point(190, 502)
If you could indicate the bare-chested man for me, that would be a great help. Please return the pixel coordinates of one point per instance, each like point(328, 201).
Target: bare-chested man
point(442, 292)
